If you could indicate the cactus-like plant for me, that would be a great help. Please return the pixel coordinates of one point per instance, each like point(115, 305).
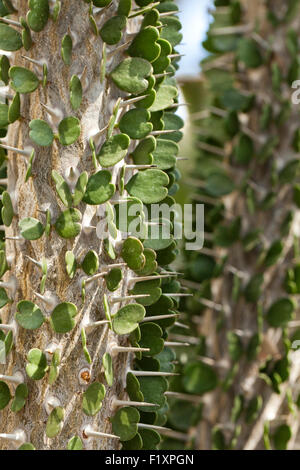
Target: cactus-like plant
point(243, 367)
point(89, 97)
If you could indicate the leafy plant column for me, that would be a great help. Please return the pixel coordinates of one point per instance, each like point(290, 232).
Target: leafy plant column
point(244, 367)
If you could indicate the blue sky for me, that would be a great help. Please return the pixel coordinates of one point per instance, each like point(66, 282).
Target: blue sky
point(195, 20)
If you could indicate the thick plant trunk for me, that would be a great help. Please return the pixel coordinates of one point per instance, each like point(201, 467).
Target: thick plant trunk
point(38, 194)
point(234, 310)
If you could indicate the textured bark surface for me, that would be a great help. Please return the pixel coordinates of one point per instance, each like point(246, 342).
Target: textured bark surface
point(39, 194)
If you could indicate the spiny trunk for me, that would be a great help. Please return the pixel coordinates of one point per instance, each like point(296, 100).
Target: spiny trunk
point(38, 195)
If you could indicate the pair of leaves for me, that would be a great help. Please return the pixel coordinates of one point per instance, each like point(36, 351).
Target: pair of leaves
point(42, 134)
point(64, 192)
point(30, 317)
point(38, 14)
point(133, 253)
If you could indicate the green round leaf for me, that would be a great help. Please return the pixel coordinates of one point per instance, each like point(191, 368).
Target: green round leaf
point(135, 123)
point(62, 317)
point(281, 312)
point(124, 423)
point(14, 109)
point(4, 299)
point(165, 154)
point(111, 31)
point(150, 438)
point(28, 315)
point(149, 186)
point(27, 446)
point(132, 253)
point(30, 228)
point(38, 15)
point(142, 155)
point(113, 150)
point(92, 398)
point(41, 133)
point(131, 75)
point(54, 423)
point(80, 188)
point(127, 318)
point(171, 29)
point(69, 130)
point(23, 80)
point(36, 366)
point(281, 437)
point(165, 95)
point(4, 68)
point(62, 189)
point(5, 395)
point(19, 400)
point(67, 224)
point(10, 39)
point(90, 264)
point(144, 44)
point(99, 188)
point(153, 390)
point(150, 288)
point(199, 378)
point(249, 53)
point(113, 279)
point(150, 265)
point(75, 443)
point(71, 264)
point(135, 443)
point(151, 338)
point(218, 185)
point(133, 387)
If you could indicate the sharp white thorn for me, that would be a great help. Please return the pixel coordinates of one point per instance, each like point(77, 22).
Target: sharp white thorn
point(89, 432)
